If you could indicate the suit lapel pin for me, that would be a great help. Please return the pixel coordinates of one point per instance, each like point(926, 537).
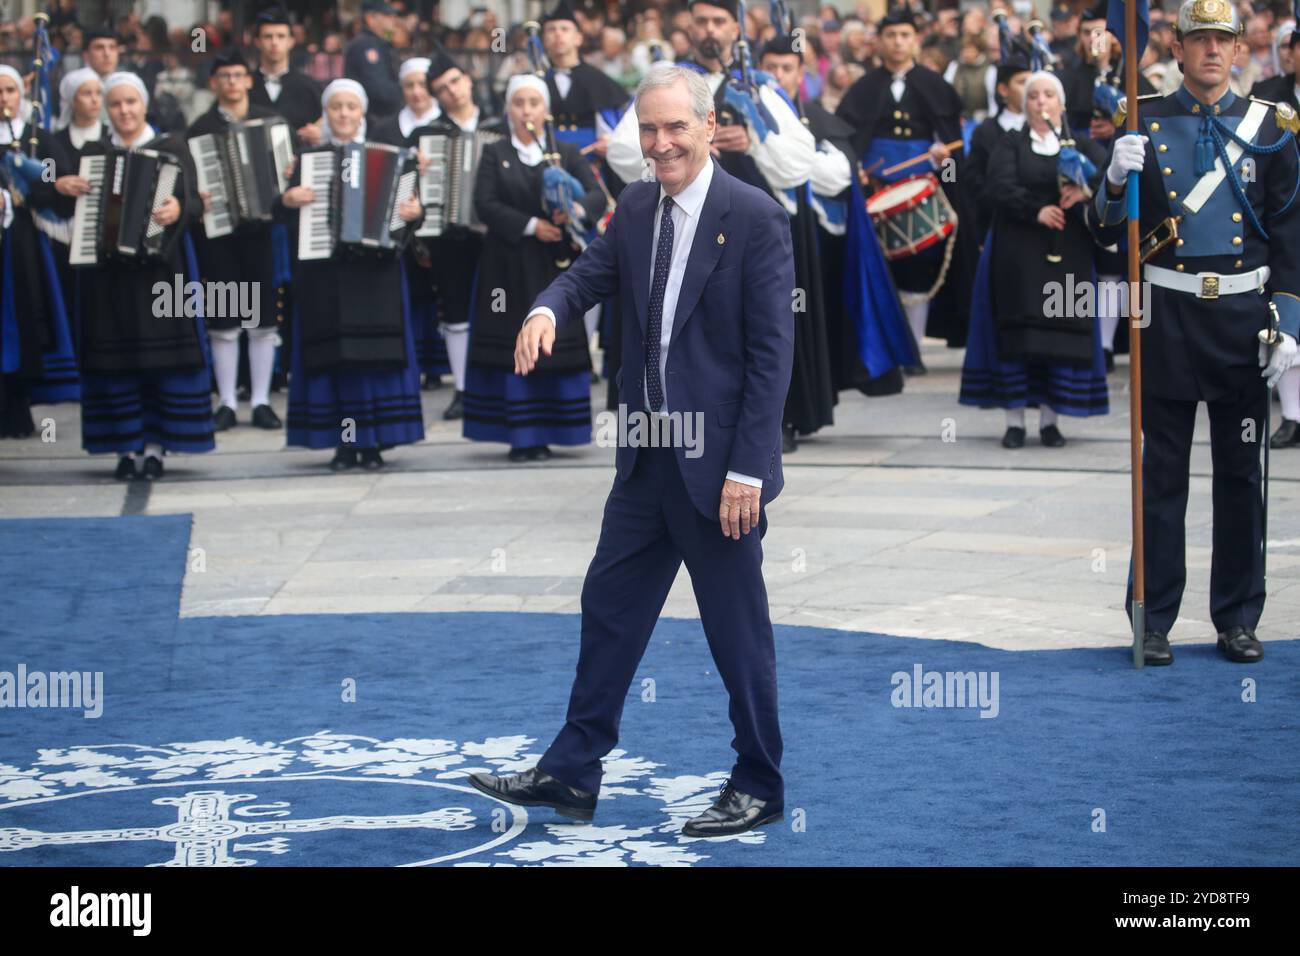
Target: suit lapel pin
point(721, 238)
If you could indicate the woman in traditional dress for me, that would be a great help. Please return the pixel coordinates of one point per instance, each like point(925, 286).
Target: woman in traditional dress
point(354, 384)
point(145, 362)
point(78, 130)
point(37, 365)
point(1027, 345)
point(525, 249)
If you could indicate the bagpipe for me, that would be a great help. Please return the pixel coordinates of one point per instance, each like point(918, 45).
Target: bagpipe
point(1072, 169)
point(21, 169)
point(741, 93)
point(559, 187)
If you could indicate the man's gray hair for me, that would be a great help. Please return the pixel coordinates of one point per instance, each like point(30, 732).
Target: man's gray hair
point(668, 74)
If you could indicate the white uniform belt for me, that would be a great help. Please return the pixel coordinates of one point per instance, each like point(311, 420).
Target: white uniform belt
point(1207, 285)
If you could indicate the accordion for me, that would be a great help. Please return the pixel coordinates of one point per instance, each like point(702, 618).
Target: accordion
point(359, 188)
point(115, 219)
point(447, 186)
point(242, 170)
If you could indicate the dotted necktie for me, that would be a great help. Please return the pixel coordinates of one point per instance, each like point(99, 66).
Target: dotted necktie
point(654, 319)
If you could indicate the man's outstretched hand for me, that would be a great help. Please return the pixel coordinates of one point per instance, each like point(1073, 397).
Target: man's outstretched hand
point(537, 334)
point(738, 512)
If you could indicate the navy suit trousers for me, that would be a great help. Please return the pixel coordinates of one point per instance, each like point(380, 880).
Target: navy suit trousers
point(650, 526)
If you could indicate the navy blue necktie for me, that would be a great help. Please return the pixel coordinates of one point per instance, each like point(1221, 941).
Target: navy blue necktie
point(654, 319)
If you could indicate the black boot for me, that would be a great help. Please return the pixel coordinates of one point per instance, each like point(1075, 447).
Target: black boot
point(1286, 436)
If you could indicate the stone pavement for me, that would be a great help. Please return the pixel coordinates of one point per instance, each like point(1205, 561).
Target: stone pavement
point(883, 526)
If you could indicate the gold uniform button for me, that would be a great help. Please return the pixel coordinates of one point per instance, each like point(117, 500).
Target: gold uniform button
point(1155, 127)
point(1236, 217)
point(1237, 265)
point(1236, 240)
point(898, 130)
point(1181, 241)
point(1164, 148)
point(898, 114)
point(1167, 171)
point(1173, 194)
point(1179, 267)
point(1196, 107)
point(907, 132)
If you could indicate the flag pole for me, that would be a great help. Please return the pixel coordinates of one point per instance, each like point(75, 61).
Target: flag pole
point(1136, 307)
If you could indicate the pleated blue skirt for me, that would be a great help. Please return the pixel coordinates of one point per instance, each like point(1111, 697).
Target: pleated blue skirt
point(123, 413)
point(989, 382)
point(501, 406)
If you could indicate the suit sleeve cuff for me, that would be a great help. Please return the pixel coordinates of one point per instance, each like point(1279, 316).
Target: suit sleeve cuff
point(1288, 313)
point(1112, 211)
point(531, 227)
point(543, 310)
point(744, 479)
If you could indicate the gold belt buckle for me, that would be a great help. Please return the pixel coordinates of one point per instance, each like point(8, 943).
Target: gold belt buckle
point(1209, 285)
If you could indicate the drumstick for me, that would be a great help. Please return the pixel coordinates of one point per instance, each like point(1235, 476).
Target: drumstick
point(916, 159)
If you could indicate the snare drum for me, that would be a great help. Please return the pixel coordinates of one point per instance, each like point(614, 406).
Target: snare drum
point(911, 216)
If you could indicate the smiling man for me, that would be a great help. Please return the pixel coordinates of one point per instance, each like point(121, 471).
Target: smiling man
point(701, 267)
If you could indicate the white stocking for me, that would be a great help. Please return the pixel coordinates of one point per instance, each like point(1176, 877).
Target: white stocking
point(457, 339)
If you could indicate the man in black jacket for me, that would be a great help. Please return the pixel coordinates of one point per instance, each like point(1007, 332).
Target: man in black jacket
point(294, 95)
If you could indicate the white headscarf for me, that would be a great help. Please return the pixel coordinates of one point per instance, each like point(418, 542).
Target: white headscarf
point(68, 87)
point(122, 77)
point(24, 107)
point(1046, 144)
point(416, 64)
point(532, 80)
point(343, 85)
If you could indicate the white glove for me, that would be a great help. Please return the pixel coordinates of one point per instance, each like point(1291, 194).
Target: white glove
point(1282, 357)
point(1127, 157)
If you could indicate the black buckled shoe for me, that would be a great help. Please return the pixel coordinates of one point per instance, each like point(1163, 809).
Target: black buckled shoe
point(223, 418)
point(734, 812)
point(1239, 644)
point(1014, 437)
point(1287, 435)
point(125, 469)
point(152, 467)
point(456, 409)
point(1051, 436)
point(344, 458)
point(371, 460)
point(264, 416)
point(1155, 649)
point(534, 788)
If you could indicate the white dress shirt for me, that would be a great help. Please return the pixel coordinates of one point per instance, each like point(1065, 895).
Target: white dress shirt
point(274, 83)
point(687, 206)
point(407, 121)
point(1044, 144)
point(81, 135)
point(1010, 120)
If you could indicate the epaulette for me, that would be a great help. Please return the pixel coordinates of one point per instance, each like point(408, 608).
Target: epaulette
point(1121, 111)
point(1284, 114)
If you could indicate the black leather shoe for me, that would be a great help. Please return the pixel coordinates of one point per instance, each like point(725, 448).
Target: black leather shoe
point(344, 458)
point(1240, 644)
point(264, 416)
point(371, 459)
point(533, 788)
point(432, 383)
point(917, 369)
point(152, 467)
point(456, 409)
point(1014, 437)
point(1155, 649)
point(1287, 434)
point(734, 812)
point(125, 469)
point(519, 454)
point(223, 418)
point(1051, 436)
point(1109, 356)
point(539, 453)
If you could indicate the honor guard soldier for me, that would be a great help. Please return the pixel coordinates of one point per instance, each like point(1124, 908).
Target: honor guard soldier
point(370, 60)
point(1220, 221)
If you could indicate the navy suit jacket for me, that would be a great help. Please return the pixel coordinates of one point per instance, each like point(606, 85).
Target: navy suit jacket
point(732, 345)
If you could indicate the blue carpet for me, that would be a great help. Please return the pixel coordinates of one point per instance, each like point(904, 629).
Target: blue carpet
point(237, 740)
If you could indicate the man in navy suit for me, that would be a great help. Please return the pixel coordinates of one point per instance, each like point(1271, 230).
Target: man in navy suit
point(702, 267)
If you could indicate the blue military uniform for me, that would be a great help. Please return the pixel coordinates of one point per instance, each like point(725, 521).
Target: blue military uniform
point(1230, 271)
point(369, 59)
